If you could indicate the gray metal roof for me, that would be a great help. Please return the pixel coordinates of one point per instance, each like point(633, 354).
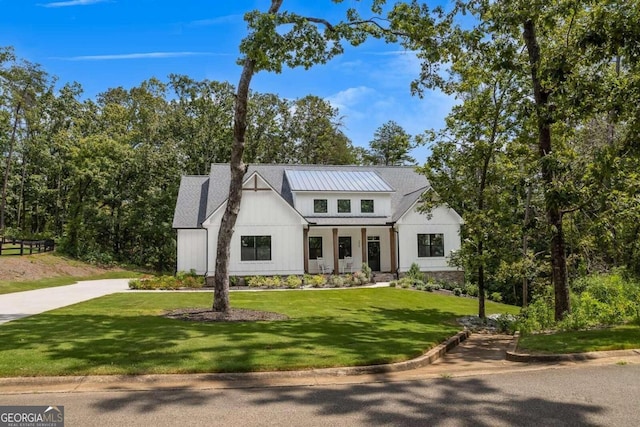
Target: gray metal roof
point(200, 196)
point(337, 180)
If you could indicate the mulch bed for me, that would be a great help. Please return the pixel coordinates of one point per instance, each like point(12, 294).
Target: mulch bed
point(233, 315)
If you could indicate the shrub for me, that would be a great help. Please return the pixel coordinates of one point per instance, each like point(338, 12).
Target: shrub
point(256, 281)
point(393, 283)
point(359, 278)
point(273, 282)
point(428, 287)
point(336, 281)
point(496, 296)
point(293, 282)
point(471, 290)
point(457, 292)
point(415, 273)
point(368, 273)
point(315, 281)
point(167, 282)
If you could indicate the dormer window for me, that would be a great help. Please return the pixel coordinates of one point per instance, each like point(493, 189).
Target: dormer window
point(320, 206)
point(344, 206)
point(366, 206)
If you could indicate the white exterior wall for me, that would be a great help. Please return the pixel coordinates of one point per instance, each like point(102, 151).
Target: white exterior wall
point(262, 213)
point(192, 250)
point(303, 202)
point(444, 221)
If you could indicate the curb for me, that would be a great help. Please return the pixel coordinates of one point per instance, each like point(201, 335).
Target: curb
point(128, 382)
point(514, 356)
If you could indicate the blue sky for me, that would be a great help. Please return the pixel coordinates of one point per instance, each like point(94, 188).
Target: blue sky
point(103, 44)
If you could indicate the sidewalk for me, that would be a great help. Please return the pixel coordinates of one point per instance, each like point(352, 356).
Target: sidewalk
point(23, 304)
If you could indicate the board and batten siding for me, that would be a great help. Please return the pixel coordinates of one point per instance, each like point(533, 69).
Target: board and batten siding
point(192, 250)
point(262, 213)
point(443, 221)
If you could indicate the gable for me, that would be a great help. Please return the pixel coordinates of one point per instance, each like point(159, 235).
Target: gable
point(261, 205)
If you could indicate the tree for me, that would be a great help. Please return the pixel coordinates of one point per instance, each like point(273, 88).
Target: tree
point(315, 130)
point(275, 39)
point(555, 46)
point(391, 145)
point(22, 84)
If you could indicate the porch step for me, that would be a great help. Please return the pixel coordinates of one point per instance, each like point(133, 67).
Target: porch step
point(383, 277)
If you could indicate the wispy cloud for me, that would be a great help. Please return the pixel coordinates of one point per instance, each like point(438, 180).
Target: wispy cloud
point(71, 3)
point(349, 98)
point(227, 19)
point(145, 55)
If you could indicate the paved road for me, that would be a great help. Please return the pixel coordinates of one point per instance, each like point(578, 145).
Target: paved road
point(579, 395)
point(22, 304)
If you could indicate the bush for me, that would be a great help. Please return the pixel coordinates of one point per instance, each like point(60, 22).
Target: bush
point(457, 291)
point(415, 273)
point(496, 296)
point(368, 273)
point(429, 287)
point(359, 278)
point(256, 281)
point(293, 282)
point(471, 290)
point(167, 282)
point(315, 281)
point(336, 281)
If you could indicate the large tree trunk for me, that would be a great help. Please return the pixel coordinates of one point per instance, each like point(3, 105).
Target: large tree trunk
point(238, 169)
point(554, 213)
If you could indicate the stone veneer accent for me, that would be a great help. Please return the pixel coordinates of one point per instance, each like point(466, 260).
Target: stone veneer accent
point(445, 276)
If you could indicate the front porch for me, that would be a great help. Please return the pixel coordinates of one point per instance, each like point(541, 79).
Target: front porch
point(338, 250)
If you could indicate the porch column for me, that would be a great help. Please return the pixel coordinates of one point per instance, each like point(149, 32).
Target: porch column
point(363, 239)
point(305, 248)
point(392, 249)
point(336, 266)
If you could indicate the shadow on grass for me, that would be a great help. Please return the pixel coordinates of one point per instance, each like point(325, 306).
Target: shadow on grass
point(66, 344)
point(470, 401)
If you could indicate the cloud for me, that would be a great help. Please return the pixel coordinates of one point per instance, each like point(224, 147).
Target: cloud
point(72, 3)
point(348, 98)
point(146, 55)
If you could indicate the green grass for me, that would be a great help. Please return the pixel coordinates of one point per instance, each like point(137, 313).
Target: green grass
point(7, 287)
point(615, 338)
point(125, 334)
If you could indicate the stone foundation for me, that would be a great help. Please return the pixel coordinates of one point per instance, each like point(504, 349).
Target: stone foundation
point(445, 276)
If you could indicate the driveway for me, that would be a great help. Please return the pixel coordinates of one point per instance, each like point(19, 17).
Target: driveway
point(23, 304)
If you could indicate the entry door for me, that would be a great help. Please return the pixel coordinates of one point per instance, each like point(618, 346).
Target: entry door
point(373, 252)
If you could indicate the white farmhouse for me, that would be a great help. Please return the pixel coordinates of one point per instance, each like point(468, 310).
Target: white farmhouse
point(297, 219)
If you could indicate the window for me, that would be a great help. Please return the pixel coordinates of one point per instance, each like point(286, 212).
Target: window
point(430, 245)
point(344, 247)
point(366, 206)
point(344, 206)
point(315, 247)
point(319, 205)
point(255, 248)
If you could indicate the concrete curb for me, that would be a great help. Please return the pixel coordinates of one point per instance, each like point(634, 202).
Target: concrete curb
point(514, 356)
point(132, 382)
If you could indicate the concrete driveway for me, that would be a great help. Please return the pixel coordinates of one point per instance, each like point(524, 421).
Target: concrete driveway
point(23, 304)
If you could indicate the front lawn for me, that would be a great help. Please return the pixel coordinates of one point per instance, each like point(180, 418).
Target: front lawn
point(615, 338)
point(125, 334)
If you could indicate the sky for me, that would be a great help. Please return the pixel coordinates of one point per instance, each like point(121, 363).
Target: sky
point(104, 44)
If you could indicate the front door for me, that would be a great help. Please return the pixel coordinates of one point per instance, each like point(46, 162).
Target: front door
point(373, 252)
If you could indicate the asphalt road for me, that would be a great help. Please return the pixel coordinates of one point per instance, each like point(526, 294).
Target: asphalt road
point(606, 395)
